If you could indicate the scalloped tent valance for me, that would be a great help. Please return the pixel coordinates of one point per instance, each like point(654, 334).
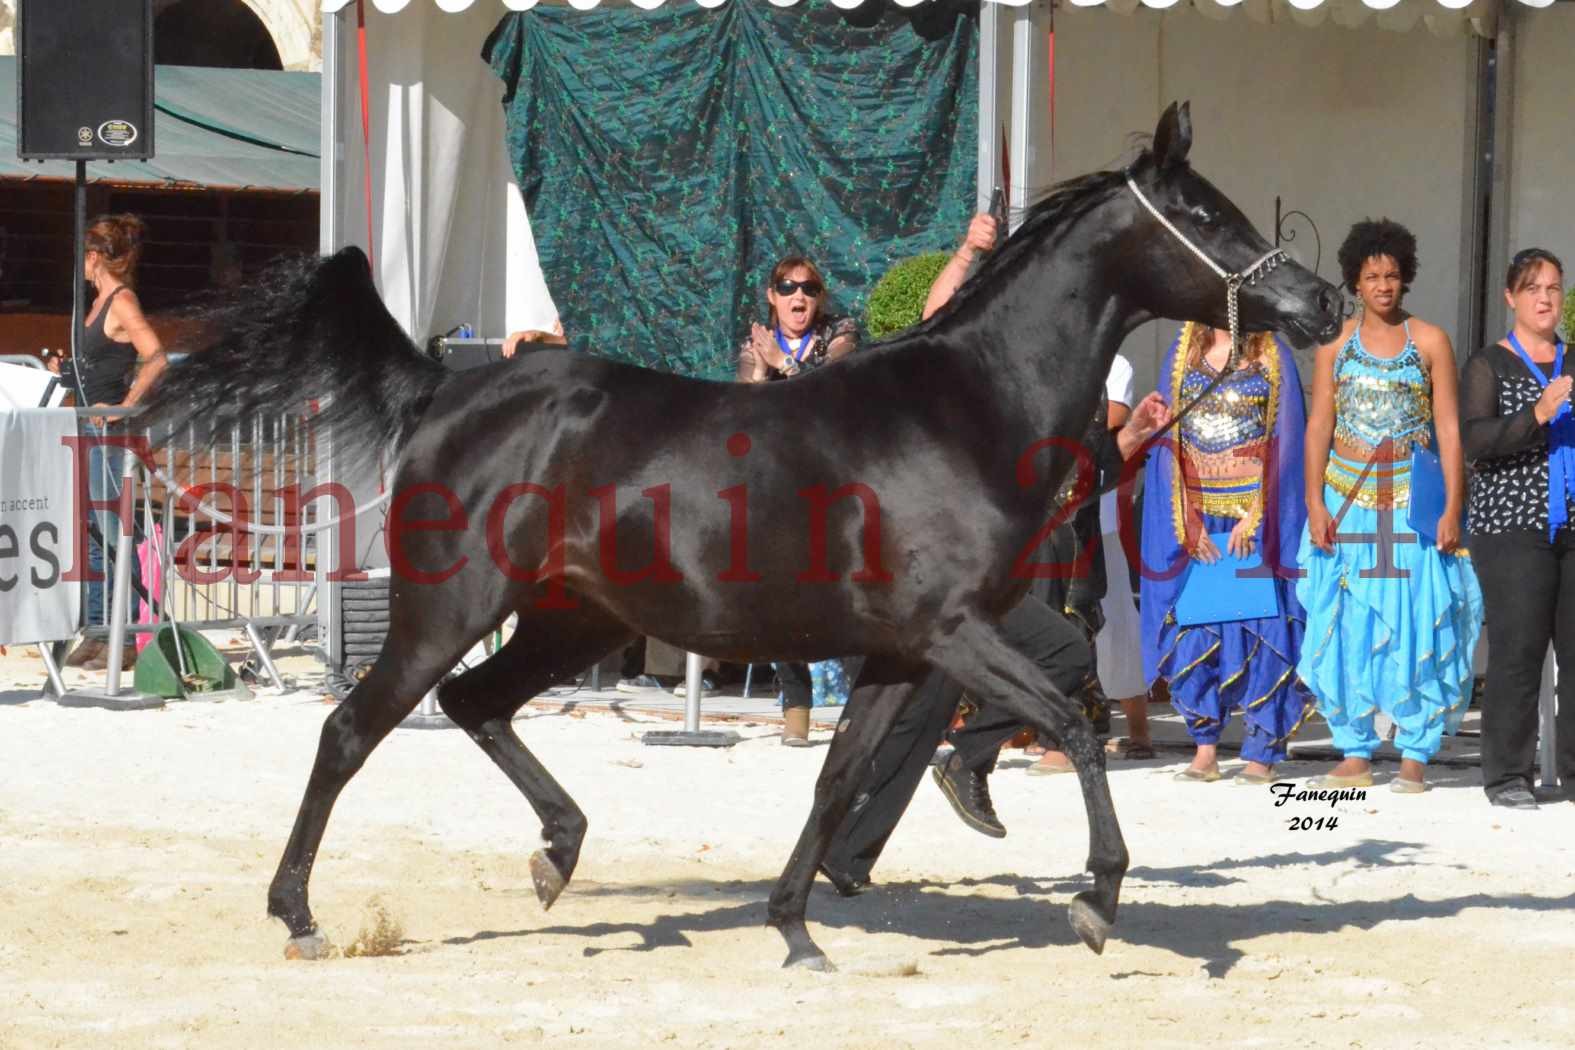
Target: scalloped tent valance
point(1441, 17)
point(389, 7)
point(1258, 8)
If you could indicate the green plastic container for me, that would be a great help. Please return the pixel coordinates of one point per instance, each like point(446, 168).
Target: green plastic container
point(209, 675)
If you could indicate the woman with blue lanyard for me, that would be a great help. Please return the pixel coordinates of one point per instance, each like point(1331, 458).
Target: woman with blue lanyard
point(1519, 435)
point(798, 338)
point(1393, 611)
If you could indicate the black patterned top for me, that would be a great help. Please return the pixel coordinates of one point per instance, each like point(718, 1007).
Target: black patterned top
point(822, 335)
point(1506, 447)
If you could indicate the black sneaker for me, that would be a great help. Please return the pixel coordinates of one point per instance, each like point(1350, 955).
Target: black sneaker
point(969, 794)
point(1548, 795)
point(1513, 797)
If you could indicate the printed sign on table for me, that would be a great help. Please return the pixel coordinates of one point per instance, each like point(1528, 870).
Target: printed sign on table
point(37, 603)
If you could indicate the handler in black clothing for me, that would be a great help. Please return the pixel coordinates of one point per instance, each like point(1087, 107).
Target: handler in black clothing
point(1057, 645)
point(1060, 647)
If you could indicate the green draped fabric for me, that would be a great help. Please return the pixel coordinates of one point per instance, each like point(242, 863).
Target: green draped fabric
point(668, 158)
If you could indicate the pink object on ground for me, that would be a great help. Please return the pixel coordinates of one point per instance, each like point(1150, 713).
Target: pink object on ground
point(152, 578)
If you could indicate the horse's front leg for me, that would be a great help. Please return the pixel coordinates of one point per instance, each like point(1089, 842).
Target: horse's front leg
point(978, 656)
point(883, 686)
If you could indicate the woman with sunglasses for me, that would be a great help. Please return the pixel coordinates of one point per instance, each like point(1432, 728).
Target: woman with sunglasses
point(1519, 436)
point(798, 337)
point(1392, 613)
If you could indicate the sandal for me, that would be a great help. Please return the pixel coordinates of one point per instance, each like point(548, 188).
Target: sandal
point(1136, 750)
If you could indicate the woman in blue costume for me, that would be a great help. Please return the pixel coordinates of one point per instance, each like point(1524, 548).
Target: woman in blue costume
point(1392, 619)
point(1239, 453)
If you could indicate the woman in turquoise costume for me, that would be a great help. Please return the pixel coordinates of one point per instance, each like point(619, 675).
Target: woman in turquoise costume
point(1234, 466)
point(1392, 619)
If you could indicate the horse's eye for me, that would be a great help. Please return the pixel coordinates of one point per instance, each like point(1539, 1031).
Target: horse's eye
point(1204, 216)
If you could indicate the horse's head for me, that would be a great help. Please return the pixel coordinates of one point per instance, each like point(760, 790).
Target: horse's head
point(1172, 272)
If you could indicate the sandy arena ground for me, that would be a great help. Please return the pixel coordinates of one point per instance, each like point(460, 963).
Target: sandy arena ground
point(136, 848)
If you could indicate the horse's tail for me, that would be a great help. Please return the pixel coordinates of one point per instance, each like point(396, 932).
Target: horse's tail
point(308, 328)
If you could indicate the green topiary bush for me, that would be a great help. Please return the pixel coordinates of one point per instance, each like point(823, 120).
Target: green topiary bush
point(897, 300)
point(1569, 314)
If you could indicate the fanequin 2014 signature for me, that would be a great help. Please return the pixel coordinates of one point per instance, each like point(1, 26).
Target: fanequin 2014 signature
point(1285, 791)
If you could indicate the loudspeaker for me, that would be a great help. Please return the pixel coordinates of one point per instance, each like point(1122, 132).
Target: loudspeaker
point(85, 79)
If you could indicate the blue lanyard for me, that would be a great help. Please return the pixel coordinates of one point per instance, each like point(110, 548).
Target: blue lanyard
point(805, 340)
point(1561, 441)
point(1536, 371)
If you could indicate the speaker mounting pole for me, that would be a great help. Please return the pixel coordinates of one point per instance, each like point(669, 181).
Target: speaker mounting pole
point(79, 255)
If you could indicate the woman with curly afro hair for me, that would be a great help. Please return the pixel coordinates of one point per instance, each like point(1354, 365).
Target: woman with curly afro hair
point(1393, 607)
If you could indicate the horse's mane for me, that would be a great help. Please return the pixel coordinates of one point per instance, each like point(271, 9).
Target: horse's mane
point(1059, 204)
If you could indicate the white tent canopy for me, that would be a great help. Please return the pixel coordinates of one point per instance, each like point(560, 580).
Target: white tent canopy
point(1440, 16)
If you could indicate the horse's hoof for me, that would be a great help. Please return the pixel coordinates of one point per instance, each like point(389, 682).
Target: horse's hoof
point(815, 960)
point(1092, 928)
point(549, 881)
point(312, 946)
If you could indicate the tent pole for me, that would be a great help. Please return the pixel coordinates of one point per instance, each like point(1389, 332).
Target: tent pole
point(330, 237)
point(993, 58)
point(1030, 138)
point(328, 218)
point(1476, 204)
point(1501, 195)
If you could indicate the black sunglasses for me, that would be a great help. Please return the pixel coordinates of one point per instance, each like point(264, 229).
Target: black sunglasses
point(812, 287)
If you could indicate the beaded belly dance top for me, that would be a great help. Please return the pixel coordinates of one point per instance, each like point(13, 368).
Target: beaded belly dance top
point(1379, 399)
point(1224, 437)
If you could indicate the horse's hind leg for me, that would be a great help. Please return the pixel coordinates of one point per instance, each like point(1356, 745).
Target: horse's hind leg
point(415, 656)
point(978, 657)
point(545, 648)
point(884, 685)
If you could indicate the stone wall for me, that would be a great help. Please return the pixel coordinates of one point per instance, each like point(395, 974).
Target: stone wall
point(294, 25)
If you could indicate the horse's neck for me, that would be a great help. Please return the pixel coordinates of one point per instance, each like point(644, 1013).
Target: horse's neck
point(1047, 326)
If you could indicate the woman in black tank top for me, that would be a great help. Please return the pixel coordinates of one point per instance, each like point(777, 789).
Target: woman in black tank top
point(118, 360)
point(117, 335)
point(103, 368)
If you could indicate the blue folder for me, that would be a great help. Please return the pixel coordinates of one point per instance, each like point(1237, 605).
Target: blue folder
point(1428, 496)
point(1227, 590)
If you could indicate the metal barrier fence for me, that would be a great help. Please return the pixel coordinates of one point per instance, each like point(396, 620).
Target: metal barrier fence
point(222, 535)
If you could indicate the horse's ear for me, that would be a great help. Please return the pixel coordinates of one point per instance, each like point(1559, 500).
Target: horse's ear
point(1173, 136)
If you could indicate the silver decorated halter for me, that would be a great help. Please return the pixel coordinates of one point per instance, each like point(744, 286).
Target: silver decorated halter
point(1233, 282)
point(1264, 264)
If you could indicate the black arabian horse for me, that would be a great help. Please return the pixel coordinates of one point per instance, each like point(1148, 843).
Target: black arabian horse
point(876, 507)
